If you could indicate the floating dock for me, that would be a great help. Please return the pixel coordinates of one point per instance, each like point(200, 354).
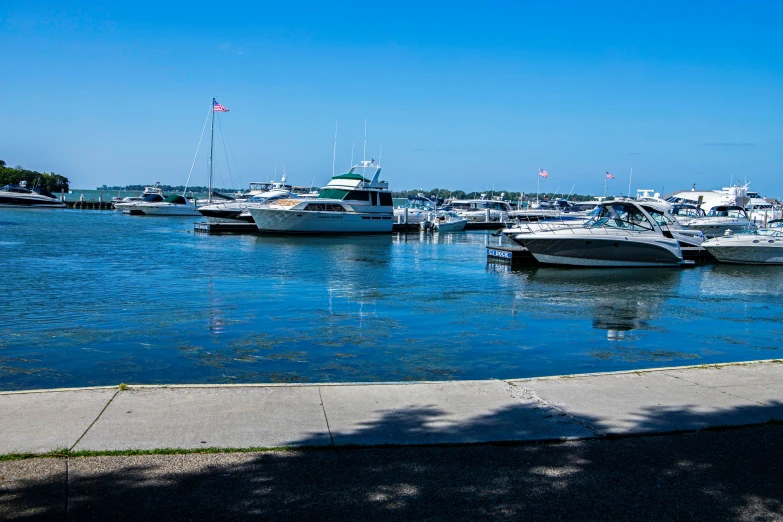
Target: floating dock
point(90, 205)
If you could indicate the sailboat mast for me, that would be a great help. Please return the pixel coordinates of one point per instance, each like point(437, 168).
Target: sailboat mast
point(211, 150)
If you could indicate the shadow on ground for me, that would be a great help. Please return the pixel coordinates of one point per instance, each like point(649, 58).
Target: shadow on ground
point(707, 475)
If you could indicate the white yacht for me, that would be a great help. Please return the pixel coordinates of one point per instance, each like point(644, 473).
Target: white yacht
point(173, 205)
point(621, 234)
point(416, 210)
point(747, 249)
point(708, 199)
point(350, 203)
point(132, 201)
point(480, 209)
point(21, 196)
point(448, 221)
point(720, 219)
point(760, 210)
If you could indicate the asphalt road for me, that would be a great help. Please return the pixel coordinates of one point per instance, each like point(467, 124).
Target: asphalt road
point(734, 474)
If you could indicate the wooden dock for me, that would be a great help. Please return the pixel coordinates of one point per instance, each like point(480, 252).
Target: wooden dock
point(90, 205)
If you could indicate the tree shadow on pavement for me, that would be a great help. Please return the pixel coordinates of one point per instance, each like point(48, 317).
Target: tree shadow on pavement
point(707, 475)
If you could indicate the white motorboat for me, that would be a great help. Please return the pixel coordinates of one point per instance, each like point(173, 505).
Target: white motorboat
point(132, 201)
point(747, 249)
point(444, 221)
point(23, 197)
point(349, 204)
point(621, 234)
point(658, 210)
point(720, 219)
point(481, 209)
point(416, 210)
point(173, 205)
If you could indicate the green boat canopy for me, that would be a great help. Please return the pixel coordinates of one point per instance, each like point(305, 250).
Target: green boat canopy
point(177, 200)
point(332, 194)
point(352, 176)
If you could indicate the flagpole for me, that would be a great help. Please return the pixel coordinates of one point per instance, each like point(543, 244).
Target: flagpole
point(605, 186)
point(538, 188)
point(211, 150)
point(629, 183)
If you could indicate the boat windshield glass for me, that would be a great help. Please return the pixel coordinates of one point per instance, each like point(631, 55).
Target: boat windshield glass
point(661, 217)
point(618, 215)
point(726, 212)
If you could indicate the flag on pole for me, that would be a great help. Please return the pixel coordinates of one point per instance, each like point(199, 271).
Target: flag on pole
point(217, 107)
point(609, 175)
point(543, 173)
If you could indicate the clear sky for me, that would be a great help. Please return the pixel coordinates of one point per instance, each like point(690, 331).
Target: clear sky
point(462, 95)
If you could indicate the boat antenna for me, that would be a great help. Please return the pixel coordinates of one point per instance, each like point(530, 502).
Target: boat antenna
point(364, 155)
point(275, 177)
point(572, 190)
point(352, 145)
point(197, 149)
point(380, 154)
point(334, 154)
point(629, 183)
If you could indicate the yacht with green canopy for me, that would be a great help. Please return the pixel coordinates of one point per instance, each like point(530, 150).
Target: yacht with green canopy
point(351, 203)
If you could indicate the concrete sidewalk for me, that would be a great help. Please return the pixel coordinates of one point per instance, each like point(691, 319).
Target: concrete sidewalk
point(269, 416)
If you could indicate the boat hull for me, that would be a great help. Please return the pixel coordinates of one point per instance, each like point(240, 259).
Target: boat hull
point(608, 252)
point(168, 210)
point(30, 202)
point(753, 250)
point(304, 222)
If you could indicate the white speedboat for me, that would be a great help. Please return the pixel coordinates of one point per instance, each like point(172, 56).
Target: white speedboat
point(720, 219)
point(481, 209)
point(173, 205)
point(760, 210)
point(747, 249)
point(23, 197)
point(444, 221)
point(708, 199)
point(621, 234)
point(349, 204)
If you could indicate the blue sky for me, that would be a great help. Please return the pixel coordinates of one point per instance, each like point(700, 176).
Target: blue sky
point(462, 95)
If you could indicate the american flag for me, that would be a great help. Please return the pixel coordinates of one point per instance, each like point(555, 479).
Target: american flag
point(543, 173)
point(609, 175)
point(218, 107)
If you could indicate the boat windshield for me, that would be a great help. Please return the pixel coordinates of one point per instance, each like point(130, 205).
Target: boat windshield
point(618, 215)
point(727, 212)
point(660, 217)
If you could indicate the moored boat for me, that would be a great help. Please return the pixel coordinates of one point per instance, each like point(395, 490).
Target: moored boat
point(23, 197)
point(349, 204)
point(747, 249)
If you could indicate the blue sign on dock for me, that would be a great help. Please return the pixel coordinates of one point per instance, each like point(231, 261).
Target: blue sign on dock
point(493, 252)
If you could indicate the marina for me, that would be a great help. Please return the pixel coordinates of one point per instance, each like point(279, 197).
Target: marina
point(150, 300)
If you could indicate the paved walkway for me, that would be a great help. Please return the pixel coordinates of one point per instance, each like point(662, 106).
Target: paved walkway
point(269, 416)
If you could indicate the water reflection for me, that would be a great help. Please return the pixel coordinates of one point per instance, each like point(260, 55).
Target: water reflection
point(619, 300)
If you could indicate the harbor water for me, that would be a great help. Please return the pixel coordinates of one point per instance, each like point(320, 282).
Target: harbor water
point(99, 298)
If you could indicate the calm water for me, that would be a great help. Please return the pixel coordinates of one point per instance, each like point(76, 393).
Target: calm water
point(99, 298)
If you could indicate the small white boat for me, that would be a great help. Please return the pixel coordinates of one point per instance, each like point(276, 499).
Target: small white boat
point(747, 249)
point(481, 209)
point(448, 221)
point(416, 210)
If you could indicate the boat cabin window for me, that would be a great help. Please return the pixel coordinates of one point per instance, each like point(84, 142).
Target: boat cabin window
point(733, 212)
point(152, 198)
point(374, 198)
point(358, 195)
point(627, 217)
point(385, 199)
point(499, 206)
point(324, 207)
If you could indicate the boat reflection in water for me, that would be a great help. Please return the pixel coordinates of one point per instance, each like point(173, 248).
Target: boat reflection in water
point(620, 300)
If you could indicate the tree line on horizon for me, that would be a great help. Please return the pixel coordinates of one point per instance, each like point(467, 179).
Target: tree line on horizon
point(45, 180)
